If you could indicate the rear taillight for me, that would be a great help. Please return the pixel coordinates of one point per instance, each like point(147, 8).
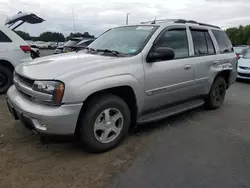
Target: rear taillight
point(238, 56)
point(26, 49)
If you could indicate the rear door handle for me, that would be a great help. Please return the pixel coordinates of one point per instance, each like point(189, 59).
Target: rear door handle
point(187, 67)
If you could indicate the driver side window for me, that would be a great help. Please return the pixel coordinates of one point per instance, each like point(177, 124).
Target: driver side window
point(176, 40)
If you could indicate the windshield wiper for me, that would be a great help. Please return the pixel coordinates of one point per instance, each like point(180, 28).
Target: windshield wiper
point(90, 49)
point(114, 52)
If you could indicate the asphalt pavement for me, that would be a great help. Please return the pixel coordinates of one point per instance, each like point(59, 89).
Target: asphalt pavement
point(208, 149)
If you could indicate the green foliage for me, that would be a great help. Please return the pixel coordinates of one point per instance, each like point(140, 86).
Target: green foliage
point(51, 36)
point(23, 35)
point(239, 35)
point(85, 35)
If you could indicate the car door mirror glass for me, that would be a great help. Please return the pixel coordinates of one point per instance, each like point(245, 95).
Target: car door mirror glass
point(161, 54)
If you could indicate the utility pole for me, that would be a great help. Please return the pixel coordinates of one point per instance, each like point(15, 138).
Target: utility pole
point(73, 16)
point(127, 18)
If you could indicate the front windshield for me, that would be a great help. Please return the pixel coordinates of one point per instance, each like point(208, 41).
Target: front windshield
point(127, 40)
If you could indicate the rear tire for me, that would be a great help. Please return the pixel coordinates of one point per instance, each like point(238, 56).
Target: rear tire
point(217, 94)
point(99, 129)
point(6, 79)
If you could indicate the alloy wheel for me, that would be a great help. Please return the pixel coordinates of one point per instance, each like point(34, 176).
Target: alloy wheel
point(108, 125)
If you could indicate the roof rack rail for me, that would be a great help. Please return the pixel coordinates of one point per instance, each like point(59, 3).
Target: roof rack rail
point(159, 21)
point(179, 21)
point(195, 22)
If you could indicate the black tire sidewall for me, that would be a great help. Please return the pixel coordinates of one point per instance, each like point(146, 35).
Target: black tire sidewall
point(95, 107)
point(9, 74)
point(210, 102)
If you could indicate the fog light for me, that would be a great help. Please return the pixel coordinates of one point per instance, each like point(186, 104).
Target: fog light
point(39, 126)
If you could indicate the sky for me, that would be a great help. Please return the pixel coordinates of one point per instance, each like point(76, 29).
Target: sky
point(96, 16)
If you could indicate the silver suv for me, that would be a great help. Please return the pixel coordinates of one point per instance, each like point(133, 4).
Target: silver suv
point(131, 74)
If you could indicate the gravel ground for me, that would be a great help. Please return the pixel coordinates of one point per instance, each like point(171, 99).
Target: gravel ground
point(25, 162)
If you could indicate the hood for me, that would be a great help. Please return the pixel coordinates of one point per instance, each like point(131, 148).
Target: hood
point(244, 62)
point(53, 66)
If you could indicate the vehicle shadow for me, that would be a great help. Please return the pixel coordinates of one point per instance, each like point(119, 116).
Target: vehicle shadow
point(243, 81)
point(166, 123)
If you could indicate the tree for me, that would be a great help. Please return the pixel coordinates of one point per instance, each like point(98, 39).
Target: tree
point(52, 37)
point(78, 34)
point(23, 35)
point(240, 35)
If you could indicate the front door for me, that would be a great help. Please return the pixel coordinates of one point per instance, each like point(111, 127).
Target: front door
point(169, 82)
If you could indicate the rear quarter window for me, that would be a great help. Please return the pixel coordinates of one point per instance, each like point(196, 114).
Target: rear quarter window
point(4, 38)
point(223, 41)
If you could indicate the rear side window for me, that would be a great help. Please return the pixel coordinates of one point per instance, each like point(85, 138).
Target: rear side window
point(4, 38)
point(210, 45)
point(203, 44)
point(177, 40)
point(223, 41)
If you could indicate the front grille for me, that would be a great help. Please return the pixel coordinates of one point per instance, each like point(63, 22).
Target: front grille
point(21, 83)
point(244, 75)
point(244, 68)
point(28, 82)
point(25, 95)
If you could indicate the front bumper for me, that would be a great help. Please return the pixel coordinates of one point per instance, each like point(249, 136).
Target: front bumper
point(233, 76)
point(51, 120)
point(243, 74)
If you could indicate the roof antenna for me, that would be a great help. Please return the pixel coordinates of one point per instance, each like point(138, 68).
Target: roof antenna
point(154, 21)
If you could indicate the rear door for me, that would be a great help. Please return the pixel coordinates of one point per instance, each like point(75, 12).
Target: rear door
point(204, 56)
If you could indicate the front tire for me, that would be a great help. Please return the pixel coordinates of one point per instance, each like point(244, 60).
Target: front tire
point(217, 94)
point(6, 79)
point(104, 123)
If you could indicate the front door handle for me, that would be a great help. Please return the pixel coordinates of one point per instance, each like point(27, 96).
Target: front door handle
point(187, 67)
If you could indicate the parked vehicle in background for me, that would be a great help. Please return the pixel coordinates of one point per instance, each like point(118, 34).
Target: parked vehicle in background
point(72, 42)
point(13, 49)
point(52, 45)
point(59, 50)
point(241, 50)
point(79, 46)
point(34, 51)
point(244, 67)
point(42, 45)
point(131, 74)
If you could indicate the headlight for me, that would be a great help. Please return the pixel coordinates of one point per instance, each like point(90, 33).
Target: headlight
point(51, 92)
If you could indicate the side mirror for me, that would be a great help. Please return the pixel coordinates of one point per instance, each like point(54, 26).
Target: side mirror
point(161, 54)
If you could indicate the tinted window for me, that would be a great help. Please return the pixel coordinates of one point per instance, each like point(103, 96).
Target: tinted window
point(200, 45)
point(203, 44)
point(223, 41)
point(4, 38)
point(177, 40)
point(210, 45)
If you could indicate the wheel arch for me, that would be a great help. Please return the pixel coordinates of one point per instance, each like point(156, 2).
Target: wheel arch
point(125, 92)
point(7, 64)
point(224, 74)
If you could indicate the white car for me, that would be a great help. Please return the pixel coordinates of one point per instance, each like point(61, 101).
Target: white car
point(244, 67)
point(13, 49)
